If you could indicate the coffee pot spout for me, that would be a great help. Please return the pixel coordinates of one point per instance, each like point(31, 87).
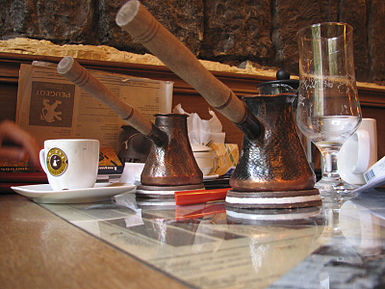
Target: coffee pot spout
point(250, 126)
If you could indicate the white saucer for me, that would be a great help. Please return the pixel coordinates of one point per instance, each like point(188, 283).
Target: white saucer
point(101, 191)
point(210, 177)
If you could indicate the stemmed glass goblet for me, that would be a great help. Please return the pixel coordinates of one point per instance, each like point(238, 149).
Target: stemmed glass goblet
point(328, 110)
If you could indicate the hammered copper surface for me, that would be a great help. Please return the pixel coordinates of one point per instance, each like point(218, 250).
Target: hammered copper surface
point(276, 161)
point(173, 164)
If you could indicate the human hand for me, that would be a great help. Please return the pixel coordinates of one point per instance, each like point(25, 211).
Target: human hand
point(23, 143)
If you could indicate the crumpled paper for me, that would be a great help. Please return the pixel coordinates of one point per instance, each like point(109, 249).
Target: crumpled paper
point(201, 131)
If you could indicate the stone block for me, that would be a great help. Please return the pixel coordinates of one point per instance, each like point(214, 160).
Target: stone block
point(59, 21)
point(377, 41)
point(237, 30)
point(354, 12)
point(110, 33)
point(289, 18)
point(231, 31)
point(184, 19)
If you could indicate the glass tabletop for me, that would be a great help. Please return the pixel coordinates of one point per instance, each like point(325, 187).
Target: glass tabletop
point(212, 245)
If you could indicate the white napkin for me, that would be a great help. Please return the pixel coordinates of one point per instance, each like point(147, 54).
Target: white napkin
point(201, 131)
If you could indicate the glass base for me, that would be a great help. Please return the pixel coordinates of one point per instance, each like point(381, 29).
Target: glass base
point(335, 190)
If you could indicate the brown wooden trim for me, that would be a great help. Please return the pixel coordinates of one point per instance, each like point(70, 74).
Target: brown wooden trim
point(241, 84)
point(371, 97)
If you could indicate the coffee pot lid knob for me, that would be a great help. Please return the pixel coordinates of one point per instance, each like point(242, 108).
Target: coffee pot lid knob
point(282, 75)
point(282, 79)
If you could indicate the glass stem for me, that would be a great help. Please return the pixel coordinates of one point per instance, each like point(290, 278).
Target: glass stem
point(329, 165)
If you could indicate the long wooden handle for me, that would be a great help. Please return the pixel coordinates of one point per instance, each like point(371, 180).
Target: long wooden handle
point(73, 71)
point(135, 19)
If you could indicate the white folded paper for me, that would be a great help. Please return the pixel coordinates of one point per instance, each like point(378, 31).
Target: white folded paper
point(201, 131)
point(377, 170)
point(374, 176)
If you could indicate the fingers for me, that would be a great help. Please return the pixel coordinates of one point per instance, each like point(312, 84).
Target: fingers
point(9, 153)
point(10, 131)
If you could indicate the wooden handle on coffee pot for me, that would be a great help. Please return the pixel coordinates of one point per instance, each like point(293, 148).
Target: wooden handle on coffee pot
point(73, 71)
point(135, 19)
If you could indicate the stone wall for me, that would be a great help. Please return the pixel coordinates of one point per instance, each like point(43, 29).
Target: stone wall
point(229, 31)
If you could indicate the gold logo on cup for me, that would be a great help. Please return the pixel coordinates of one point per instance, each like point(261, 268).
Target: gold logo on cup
point(57, 162)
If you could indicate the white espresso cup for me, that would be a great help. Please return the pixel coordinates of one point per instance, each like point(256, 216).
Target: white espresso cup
point(358, 153)
point(70, 163)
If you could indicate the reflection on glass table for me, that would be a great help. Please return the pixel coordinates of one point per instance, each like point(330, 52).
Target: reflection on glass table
point(212, 246)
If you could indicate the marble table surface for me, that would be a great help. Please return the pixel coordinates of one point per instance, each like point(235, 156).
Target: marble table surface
point(212, 245)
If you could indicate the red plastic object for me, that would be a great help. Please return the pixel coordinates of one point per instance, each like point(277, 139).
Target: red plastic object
point(199, 196)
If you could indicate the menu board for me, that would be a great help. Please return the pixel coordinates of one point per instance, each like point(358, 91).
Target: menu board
point(50, 106)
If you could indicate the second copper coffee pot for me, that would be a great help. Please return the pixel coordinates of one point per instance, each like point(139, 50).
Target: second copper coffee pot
point(170, 164)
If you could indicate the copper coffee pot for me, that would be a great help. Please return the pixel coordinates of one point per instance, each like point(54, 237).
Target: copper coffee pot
point(273, 171)
point(170, 165)
point(268, 175)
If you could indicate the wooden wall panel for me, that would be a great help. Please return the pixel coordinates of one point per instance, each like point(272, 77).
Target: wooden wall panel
point(379, 114)
point(8, 93)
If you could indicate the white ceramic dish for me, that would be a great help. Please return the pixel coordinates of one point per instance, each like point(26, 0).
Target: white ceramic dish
point(210, 177)
point(101, 191)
